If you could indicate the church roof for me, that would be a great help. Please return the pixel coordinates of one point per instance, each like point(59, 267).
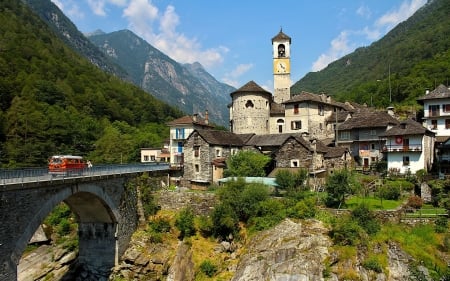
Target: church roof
point(310, 97)
point(441, 92)
point(251, 87)
point(281, 36)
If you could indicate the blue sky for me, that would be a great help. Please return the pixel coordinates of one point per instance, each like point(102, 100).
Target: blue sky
point(232, 39)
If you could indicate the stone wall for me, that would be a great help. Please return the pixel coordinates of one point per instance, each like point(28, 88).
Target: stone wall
point(202, 203)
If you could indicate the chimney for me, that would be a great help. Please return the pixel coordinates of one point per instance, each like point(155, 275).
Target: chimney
point(427, 92)
point(390, 111)
point(194, 117)
point(206, 117)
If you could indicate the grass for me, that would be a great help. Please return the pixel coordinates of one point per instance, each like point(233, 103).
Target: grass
point(373, 203)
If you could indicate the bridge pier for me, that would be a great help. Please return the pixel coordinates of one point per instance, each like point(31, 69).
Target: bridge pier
point(97, 246)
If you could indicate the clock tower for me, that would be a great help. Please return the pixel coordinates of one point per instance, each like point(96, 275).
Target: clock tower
point(281, 46)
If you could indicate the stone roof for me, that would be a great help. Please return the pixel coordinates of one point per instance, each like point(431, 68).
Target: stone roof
point(322, 98)
point(441, 92)
point(368, 119)
point(251, 87)
point(281, 36)
point(216, 137)
point(407, 127)
point(276, 140)
point(341, 116)
point(335, 152)
point(189, 120)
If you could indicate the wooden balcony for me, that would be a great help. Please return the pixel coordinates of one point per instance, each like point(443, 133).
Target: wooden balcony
point(402, 148)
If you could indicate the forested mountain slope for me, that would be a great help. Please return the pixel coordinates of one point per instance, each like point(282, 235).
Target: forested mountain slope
point(69, 33)
point(416, 54)
point(53, 101)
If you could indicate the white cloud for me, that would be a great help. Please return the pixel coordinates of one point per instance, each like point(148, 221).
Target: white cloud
point(406, 9)
point(339, 47)
point(69, 8)
point(231, 78)
point(364, 12)
point(342, 45)
point(97, 7)
point(144, 17)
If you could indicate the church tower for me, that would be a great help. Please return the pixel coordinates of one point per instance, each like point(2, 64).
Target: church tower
point(281, 46)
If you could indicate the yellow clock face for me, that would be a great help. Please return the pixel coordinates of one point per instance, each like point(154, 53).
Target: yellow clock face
point(281, 66)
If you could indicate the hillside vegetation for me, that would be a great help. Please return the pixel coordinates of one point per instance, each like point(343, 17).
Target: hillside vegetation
point(416, 53)
point(52, 101)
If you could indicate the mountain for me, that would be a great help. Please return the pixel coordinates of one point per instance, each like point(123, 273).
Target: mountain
point(68, 32)
point(188, 86)
point(412, 57)
point(55, 101)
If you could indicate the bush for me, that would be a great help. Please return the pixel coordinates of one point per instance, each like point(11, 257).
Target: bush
point(208, 268)
point(390, 192)
point(160, 225)
point(415, 202)
point(205, 226)
point(345, 232)
point(303, 209)
point(366, 219)
point(224, 221)
point(372, 263)
point(185, 223)
point(64, 227)
point(441, 224)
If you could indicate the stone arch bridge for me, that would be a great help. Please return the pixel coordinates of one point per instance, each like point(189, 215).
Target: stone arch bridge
point(105, 209)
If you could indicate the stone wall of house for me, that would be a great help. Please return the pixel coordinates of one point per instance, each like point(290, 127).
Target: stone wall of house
point(202, 161)
point(292, 150)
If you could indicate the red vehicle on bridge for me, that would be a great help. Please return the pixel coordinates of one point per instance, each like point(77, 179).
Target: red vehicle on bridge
point(66, 165)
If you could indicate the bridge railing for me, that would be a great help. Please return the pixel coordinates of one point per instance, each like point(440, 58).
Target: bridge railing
point(17, 176)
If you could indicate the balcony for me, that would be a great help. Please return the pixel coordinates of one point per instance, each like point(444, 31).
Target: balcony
point(402, 148)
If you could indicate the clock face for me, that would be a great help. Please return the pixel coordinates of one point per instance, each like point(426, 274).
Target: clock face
point(281, 67)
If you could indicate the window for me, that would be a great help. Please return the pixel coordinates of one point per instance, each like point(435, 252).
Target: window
point(294, 163)
point(296, 111)
point(196, 151)
point(405, 160)
point(152, 158)
point(447, 123)
point(248, 104)
point(280, 123)
point(218, 152)
point(433, 124)
point(145, 158)
point(433, 110)
point(179, 132)
point(372, 146)
point(197, 168)
point(320, 126)
point(281, 51)
point(345, 135)
point(321, 110)
point(446, 108)
point(373, 132)
point(296, 125)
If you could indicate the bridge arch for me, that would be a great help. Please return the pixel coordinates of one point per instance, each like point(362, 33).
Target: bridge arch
point(91, 206)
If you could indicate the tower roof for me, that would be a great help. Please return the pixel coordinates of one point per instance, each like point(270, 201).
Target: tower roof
point(251, 87)
point(281, 37)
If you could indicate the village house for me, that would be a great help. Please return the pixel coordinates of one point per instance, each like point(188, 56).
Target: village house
point(436, 109)
point(409, 147)
point(179, 130)
point(360, 135)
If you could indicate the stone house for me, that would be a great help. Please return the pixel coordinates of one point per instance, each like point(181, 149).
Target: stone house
point(204, 150)
point(179, 130)
point(360, 135)
point(207, 150)
point(409, 147)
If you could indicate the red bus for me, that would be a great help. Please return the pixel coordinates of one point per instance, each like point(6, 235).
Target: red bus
point(66, 165)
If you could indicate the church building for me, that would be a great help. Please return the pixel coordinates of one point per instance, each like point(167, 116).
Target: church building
point(254, 110)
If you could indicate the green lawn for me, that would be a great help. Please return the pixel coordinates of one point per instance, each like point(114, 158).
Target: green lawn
point(373, 203)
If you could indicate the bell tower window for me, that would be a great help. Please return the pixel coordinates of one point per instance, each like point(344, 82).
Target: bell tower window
point(248, 104)
point(281, 51)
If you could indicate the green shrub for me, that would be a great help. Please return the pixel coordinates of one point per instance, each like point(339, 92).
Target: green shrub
point(208, 268)
point(205, 226)
point(366, 219)
point(390, 192)
point(372, 263)
point(185, 223)
point(224, 220)
point(63, 227)
point(160, 225)
point(441, 224)
point(345, 231)
point(305, 208)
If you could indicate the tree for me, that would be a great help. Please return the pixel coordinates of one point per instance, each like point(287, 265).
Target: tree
point(291, 182)
point(338, 187)
point(246, 163)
